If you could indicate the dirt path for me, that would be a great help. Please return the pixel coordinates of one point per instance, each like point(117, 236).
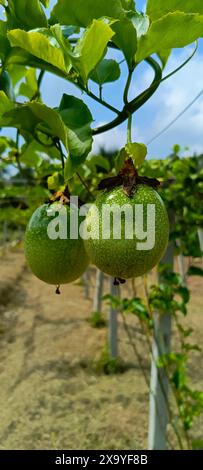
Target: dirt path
point(50, 396)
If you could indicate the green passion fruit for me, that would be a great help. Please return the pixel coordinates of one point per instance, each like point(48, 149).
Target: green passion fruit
point(54, 261)
point(121, 258)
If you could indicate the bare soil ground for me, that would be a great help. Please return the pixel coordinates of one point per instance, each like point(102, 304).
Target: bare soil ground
point(50, 395)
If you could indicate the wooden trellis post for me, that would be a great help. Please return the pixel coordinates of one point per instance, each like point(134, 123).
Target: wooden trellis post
point(113, 323)
point(158, 408)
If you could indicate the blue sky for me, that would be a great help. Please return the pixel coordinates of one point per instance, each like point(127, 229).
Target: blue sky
point(172, 96)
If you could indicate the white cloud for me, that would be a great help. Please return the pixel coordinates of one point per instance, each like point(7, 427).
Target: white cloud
point(172, 97)
point(111, 140)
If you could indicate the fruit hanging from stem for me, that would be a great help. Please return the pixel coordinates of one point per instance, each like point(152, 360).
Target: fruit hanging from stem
point(54, 261)
point(121, 257)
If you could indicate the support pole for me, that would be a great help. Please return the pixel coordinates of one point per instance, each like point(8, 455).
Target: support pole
point(97, 302)
point(113, 323)
point(158, 409)
point(86, 283)
point(200, 235)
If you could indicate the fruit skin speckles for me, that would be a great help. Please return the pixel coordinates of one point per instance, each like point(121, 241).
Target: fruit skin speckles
point(53, 261)
point(120, 258)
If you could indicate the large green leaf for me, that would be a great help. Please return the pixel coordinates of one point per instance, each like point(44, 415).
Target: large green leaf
point(5, 104)
point(25, 15)
point(78, 119)
point(29, 87)
point(50, 121)
point(141, 23)
point(64, 44)
point(32, 146)
point(158, 8)
point(34, 117)
point(126, 38)
point(4, 42)
point(171, 31)
point(20, 117)
point(81, 13)
point(128, 4)
point(5, 143)
point(164, 55)
point(91, 48)
point(107, 71)
point(39, 46)
point(97, 161)
point(30, 155)
point(16, 73)
point(20, 58)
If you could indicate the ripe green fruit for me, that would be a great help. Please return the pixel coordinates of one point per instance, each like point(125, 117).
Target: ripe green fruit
point(6, 85)
point(57, 261)
point(120, 258)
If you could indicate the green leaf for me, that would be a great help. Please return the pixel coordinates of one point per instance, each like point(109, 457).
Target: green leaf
point(38, 45)
point(107, 71)
point(80, 13)
point(126, 39)
point(128, 4)
point(30, 87)
point(158, 8)
point(34, 117)
point(64, 44)
point(16, 73)
point(45, 3)
point(5, 104)
point(195, 271)
point(29, 156)
point(20, 15)
point(164, 55)
point(141, 23)
point(41, 150)
point(50, 121)
point(19, 58)
point(5, 144)
point(77, 117)
point(4, 42)
point(137, 152)
point(91, 48)
point(55, 181)
point(21, 117)
point(184, 293)
point(171, 31)
point(95, 161)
